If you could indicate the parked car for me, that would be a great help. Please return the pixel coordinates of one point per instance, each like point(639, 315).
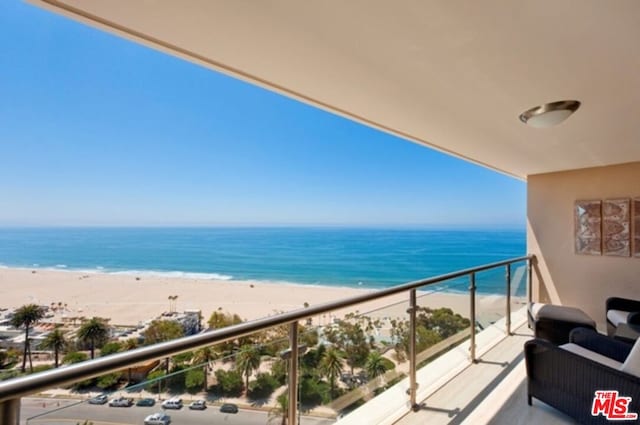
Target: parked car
point(100, 399)
point(198, 405)
point(172, 403)
point(159, 418)
point(229, 408)
point(146, 402)
point(121, 402)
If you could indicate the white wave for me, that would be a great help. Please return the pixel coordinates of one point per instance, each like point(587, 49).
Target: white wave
point(174, 274)
point(60, 266)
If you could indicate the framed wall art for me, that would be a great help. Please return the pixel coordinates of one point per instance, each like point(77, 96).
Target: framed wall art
point(588, 236)
point(616, 223)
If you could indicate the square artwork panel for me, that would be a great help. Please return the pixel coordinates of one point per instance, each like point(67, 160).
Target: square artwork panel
point(588, 239)
point(636, 227)
point(616, 222)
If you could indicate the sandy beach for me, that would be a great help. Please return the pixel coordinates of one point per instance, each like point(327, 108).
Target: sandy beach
point(129, 299)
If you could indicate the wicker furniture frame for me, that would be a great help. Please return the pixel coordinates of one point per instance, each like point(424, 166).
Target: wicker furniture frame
point(568, 382)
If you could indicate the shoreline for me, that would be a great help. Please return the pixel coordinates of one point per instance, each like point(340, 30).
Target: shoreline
point(128, 299)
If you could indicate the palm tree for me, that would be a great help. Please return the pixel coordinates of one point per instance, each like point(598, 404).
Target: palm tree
point(281, 410)
point(94, 332)
point(375, 365)
point(55, 341)
point(27, 316)
point(204, 356)
point(331, 366)
point(247, 360)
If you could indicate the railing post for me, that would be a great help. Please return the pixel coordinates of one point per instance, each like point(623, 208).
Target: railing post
point(529, 281)
point(472, 313)
point(412, 350)
point(10, 412)
point(508, 318)
point(293, 373)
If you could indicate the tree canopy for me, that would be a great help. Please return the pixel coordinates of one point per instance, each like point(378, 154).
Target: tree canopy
point(162, 330)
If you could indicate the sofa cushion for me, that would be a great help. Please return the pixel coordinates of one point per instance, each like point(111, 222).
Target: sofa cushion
point(592, 355)
point(560, 312)
point(632, 364)
point(617, 316)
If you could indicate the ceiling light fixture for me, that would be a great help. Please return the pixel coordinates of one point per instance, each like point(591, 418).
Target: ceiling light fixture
point(549, 114)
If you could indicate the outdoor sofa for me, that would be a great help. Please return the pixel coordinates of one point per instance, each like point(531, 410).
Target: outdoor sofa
point(566, 377)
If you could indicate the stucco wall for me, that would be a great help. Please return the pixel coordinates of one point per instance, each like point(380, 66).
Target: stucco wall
point(561, 276)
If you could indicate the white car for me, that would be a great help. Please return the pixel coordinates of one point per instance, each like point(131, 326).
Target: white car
point(172, 403)
point(121, 402)
point(157, 419)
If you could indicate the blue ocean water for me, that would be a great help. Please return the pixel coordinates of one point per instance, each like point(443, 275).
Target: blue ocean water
point(354, 257)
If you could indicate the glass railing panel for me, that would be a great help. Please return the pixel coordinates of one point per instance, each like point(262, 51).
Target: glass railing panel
point(518, 286)
point(216, 375)
point(491, 299)
point(442, 320)
point(363, 354)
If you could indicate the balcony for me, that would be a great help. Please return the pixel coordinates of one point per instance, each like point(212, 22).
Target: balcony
point(475, 374)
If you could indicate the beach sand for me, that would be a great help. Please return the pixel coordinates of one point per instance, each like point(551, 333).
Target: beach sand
point(129, 299)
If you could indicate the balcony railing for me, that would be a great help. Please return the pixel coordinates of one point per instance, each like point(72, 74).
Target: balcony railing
point(13, 390)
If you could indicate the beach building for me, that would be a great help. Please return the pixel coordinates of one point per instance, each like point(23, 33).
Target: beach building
point(546, 92)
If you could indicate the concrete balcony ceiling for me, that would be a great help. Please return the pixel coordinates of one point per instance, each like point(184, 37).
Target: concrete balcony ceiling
point(453, 75)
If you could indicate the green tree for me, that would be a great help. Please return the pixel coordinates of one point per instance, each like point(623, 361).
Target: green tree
point(108, 381)
point(310, 361)
point(162, 330)
point(280, 411)
point(353, 342)
point(204, 356)
point(331, 366)
point(194, 379)
point(111, 348)
point(263, 386)
point(247, 360)
point(56, 342)
point(74, 357)
point(27, 316)
point(442, 320)
point(130, 344)
point(155, 379)
point(279, 370)
point(375, 365)
point(220, 319)
point(229, 383)
point(93, 332)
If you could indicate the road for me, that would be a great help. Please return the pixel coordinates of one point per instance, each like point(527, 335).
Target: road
point(70, 412)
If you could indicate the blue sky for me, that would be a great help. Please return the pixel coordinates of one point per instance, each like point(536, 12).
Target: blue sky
point(96, 130)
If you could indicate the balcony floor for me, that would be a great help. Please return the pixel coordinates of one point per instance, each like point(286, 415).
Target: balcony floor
point(493, 391)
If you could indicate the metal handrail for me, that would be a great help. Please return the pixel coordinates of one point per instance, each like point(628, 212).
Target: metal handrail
point(23, 386)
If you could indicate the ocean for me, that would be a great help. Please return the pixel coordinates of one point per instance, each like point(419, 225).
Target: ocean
point(349, 257)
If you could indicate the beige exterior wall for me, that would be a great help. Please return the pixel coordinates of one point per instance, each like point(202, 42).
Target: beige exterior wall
point(561, 276)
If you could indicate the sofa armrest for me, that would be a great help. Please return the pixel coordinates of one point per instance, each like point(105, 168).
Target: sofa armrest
point(624, 304)
point(601, 344)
